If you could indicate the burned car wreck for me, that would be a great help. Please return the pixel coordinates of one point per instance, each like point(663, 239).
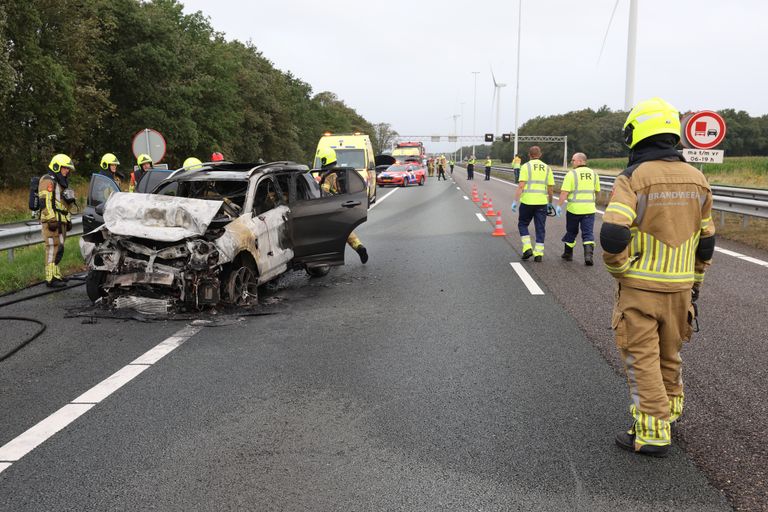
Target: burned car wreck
point(213, 235)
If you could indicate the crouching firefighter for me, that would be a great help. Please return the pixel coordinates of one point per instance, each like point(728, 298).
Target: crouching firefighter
point(657, 238)
point(327, 158)
point(56, 201)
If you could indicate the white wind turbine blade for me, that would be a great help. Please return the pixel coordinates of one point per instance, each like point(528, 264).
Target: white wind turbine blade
point(607, 29)
point(494, 78)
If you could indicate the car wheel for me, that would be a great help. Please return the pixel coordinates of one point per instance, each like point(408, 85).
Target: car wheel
point(319, 271)
point(421, 181)
point(405, 182)
point(241, 284)
point(93, 282)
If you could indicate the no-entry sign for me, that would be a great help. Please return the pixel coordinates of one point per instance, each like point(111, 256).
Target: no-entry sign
point(703, 130)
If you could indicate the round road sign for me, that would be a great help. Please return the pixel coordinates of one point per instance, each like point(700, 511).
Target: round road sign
point(150, 142)
point(704, 130)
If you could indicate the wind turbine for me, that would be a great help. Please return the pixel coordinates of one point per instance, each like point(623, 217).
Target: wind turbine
point(629, 85)
point(496, 99)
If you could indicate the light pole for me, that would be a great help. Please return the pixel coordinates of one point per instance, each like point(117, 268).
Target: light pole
point(461, 146)
point(474, 114)
point(517, 79)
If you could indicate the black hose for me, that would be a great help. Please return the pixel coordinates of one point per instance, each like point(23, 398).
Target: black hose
point(40, 294)
point(29, 340)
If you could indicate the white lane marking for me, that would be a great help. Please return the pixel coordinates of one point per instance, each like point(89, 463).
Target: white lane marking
point(466, 198)
point(458, 188)
point(378, 201)
point(742, 257)
point(480, 217)
point(724, 251)
point(33, 437)
point(111, 384)
point(526, 278)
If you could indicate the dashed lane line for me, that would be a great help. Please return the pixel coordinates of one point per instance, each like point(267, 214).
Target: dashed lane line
point(466, 198)
point(480, 217)
point(526, 278)
point(18, 447)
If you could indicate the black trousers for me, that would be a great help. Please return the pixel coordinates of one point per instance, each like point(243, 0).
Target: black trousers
point(487, 174)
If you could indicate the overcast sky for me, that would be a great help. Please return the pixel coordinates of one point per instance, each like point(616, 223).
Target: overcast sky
point(409, 63)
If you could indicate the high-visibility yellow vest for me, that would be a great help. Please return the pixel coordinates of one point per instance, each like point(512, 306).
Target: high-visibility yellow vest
point(471, 161)
point(488, 162)
point(537, 176)
point(581, 184)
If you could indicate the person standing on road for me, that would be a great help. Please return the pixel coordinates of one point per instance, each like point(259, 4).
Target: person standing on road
point(534, 195)
point(471, 168)
point(657, 238)
point(516, 167)
point(56, 200)
point(580, 187)
point(144, 162)
point(327, 158)
point(488, 164)
point(441, 168)
point(451, 163)
point(431, 167)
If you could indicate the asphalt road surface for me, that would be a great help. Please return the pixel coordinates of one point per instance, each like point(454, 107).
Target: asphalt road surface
point(432, 378)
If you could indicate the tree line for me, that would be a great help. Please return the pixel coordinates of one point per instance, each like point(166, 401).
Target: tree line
point(598, 133)
point(82, 76)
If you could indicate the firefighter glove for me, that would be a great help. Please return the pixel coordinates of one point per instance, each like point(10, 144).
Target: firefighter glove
point(695, 292)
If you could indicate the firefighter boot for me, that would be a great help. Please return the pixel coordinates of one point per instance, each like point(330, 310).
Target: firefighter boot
point(589, 250)
point(567, 253)
point(363, 252)
point(626, 441)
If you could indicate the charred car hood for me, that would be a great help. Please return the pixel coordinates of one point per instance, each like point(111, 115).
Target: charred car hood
point(156, 217)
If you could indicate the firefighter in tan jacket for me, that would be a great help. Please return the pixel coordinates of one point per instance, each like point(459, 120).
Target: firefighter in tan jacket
point(56, 202)
point(657, 238)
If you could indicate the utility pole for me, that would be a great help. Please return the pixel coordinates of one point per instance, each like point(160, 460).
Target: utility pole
point(629, 86)
point(517, 79)
point(474, 114)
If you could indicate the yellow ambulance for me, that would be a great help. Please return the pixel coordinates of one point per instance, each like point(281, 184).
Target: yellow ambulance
point(352, 150)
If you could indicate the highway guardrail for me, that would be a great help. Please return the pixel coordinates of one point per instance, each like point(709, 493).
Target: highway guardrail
point(13, 236)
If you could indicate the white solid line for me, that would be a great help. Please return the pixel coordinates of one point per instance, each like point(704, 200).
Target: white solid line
point(153, 355)
point(16, 448)
point(742, 256)
point(526, 278)
point(30, 439)
point(466, 198)
point(480, 217)
point(111, 384)
point(378, 201)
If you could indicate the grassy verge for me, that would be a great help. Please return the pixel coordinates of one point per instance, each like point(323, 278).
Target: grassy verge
point(28, 265)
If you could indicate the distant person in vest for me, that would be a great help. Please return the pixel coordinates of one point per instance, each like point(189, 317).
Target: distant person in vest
point(488, 164)
point(580, 187)
point(471, 168)
point(534, 194)
point(516, 167)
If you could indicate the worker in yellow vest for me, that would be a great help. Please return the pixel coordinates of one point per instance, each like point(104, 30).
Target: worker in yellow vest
point(488, 164)
point(580, 187)
point(534, 195)
point(471, 168)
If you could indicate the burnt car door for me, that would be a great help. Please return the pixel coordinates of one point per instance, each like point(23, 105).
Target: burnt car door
point(321, 220)
point(99, 190)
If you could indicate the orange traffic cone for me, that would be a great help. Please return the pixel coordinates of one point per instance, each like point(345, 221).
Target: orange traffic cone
point(485, 201)
point(499, 231)
point(475, 198)
point(489, 212)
